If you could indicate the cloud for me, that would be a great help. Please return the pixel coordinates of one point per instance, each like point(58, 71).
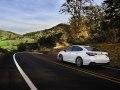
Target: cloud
point(24, 26)
point(23, 16)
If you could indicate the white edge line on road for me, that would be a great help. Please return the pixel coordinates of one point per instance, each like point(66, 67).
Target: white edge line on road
point(26, 78)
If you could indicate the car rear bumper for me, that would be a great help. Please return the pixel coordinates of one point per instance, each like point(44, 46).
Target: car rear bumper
point(100, 64)
point(103, 63)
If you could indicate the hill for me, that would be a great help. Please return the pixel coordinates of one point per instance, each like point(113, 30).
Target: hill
point(10, 41)
point(47, 37)
point(56, 28)
point(7, 35)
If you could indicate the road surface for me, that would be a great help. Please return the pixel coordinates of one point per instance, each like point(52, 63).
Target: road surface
point(46, 73)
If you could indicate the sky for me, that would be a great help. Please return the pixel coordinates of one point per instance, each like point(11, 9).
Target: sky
point(23, 16)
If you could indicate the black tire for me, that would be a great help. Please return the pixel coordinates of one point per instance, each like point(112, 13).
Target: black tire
point(60, 58)
point(92, 64)
point(79, 62)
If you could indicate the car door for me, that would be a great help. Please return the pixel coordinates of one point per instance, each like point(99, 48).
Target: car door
point(67, 52)
point(76, 51)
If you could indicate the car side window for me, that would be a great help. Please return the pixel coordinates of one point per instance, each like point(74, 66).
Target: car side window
point(69, 49)
point(76, 48)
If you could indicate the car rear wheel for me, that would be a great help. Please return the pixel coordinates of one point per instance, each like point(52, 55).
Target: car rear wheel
point(79, 62)
point(60, 58)
point(92, 64)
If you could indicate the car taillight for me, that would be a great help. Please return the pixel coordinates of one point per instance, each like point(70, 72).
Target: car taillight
point(91, 53)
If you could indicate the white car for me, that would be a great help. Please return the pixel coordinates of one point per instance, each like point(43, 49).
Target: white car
point(83, 55)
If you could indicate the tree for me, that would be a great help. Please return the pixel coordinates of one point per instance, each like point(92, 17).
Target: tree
point(21, 47)
point(76, 8)
point(50, 38)
point(95, 21)
point(112, 18)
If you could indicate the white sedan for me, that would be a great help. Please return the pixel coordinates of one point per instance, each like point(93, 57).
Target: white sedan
point(83, 55)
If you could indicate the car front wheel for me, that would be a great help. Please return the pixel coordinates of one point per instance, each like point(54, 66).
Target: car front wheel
point(60, 58)
point(79, 62)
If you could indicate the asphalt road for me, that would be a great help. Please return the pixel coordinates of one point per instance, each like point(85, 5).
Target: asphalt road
point(10, 78)
point(46, 73)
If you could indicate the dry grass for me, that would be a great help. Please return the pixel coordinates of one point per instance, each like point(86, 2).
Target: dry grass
point(114, 53)
point(56, 50)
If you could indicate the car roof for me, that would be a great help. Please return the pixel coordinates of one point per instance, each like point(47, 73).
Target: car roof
point(81, 45)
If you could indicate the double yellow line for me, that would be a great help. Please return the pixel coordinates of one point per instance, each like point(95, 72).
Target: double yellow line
point(84, 71)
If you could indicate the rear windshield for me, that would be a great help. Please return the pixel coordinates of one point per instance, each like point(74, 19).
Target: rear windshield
point(92, 49)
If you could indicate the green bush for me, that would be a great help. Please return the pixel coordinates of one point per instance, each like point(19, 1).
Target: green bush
point(50, 38)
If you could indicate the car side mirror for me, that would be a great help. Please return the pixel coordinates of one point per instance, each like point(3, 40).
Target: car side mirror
point(64, 50)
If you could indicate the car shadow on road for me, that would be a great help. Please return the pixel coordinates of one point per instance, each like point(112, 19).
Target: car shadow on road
point(85, 66)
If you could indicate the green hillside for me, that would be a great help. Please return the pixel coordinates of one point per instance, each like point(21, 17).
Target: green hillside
point(7, 35)
point(60, 27)
point(10, 40)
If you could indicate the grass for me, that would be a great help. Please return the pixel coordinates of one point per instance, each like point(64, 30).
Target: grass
point(12, 44)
